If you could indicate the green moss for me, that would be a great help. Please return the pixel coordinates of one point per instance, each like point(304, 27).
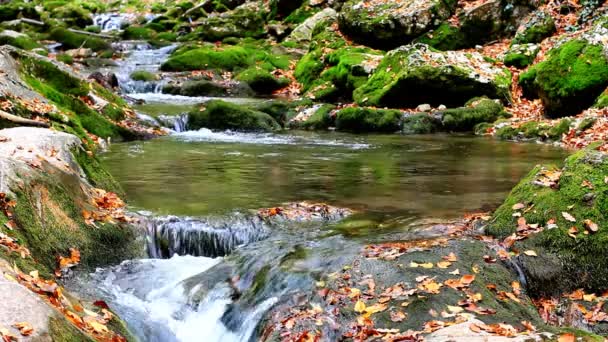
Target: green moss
point(12, 10)
point(399, 83)
point(540, 27)
point(301, 14)
point(420, 124)
point(564, 263)
point(61, 330)
point(196, 88)
point(506, 133)
point(73, 14)
point(71, 40)
point(361, 119)
point(23, 42)
point(142, 75)
point(570, 79)
point(224, 115)
point(228, 58)
point(244, 21)
point(93, 29)
point(586, 123)
point(65, 58)
point(320, 120)
point(445, 37)
point(475, 112)
point(138, 33)
point(279, 110)
point(521, 56)
point(309, 68)
point(602, 100)
point(261, 80)
point(167, 36)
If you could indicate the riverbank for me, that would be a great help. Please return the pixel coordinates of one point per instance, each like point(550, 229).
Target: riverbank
point(316, 66)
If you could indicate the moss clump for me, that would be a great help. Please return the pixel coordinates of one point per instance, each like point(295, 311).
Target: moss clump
point(476, 111)
point(279, 110)
point(321, 118)
point(65, 58)
point(248, 20)
point(196, 88)
point(138, 33)
point(71, 40)
point(261, 80)
point(65, 90)
point(569, 80)
point(73, 14)
point(445, 37)
point(563, 263)
point(12, 10)
point(521, 56)
point(602, 100)
point(218, 114)
point(142, 75)
point(540, 26)
point(421, 124)
point(362, 119)
point(23, 42)
point(229, 58)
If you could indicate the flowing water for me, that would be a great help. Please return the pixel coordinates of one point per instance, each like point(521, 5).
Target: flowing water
point(215, 268)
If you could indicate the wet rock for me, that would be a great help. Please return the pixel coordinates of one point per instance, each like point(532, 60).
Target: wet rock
point(567, 258)
point(388, 25)
point(415, 73)
point(424, 108)
point(218, 114)
point(108, 81)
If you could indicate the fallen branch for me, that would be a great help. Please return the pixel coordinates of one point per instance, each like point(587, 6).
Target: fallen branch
point(22, 121)
point(98, 35)
point(25, 20)
point(202, 4)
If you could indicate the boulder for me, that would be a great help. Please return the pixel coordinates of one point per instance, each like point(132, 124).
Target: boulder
point(573, 75)
point(561, 214)
point(246, 20)
point(383, 24)
point(521, 55)
point(218, 114)
point(303, 32)
point(416, 74)
point(538, 26)
point(361, 120)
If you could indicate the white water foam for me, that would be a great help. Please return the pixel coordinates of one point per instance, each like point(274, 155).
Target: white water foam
point(150, 296)
point(207, 135)
point(188, 100)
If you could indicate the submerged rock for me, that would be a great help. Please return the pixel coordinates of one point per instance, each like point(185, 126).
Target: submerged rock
point(416, 73)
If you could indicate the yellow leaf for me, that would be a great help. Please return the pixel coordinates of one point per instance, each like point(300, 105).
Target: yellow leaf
point(444, 264)
point(455, 309)
point(530, 253)
point(427, 265)
point(359, 306)
point(376, 308)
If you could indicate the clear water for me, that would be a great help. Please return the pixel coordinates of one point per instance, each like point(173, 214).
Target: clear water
point(439, 176)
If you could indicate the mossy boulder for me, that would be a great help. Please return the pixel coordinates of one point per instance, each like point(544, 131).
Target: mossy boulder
point(218, 114)
point(571, 77)
point(302, 34)
point(475, 112)
point(363, 120)
point(445, 37)
point(521, 55)
point(72, 40)
point(557, 200)
point(382, 24)
point(537, 27)
point(142, 75)
point(534, 130)
point(416, 74)
point(247, 20)
point(207, 88)
point(421, 123)
point(73, 14)
point(138, 33)
point(602, 100)
point(18, 40)
point(14, 9)
point(261, 80)
point(316, 117)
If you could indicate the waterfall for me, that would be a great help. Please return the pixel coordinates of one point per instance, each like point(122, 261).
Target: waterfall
point(116, 21)
point(178, 123)
point(142, 57)
point(171, 235)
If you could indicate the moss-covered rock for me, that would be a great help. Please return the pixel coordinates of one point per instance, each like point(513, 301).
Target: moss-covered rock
point(73, 14)
point(602, 100)
point(476, 111)
point(445, 37)
point(142, 75)
point(247, 20)
point(11, 10)
point(421, 123)
point(537, 27)
point(72, 40)
point(18, 40)
point(570, 79)
point(316, 117)
point(218, 114)
point(406, 77)
point(262, 81)
point(363, 119)
point(567, 258)
point(534, 130)
point(521, 55)
point(138, 33)
point(302, 34)
point(384, 24)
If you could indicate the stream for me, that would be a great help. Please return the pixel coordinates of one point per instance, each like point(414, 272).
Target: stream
point(214, 268)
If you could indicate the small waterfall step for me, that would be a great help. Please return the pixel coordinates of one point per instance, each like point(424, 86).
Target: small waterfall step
point(209, 237)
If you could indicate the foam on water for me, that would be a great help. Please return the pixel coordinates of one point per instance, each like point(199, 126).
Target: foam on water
point(207, 135)
point(150, 296)
point(187, 100)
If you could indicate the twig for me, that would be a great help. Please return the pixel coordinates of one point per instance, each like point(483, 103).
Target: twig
point(22, 121)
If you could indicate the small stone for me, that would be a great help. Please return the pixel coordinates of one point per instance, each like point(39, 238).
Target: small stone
point(424, 108)
point(442, 107)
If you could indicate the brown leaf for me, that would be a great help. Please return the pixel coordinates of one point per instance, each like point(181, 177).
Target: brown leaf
point(592, 226)
point(568, 337)
point(25, 328)
point(397, 316)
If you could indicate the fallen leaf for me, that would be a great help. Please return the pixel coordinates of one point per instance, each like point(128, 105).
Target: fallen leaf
point(568, 217)
point(568, 337)
point(397, 316)
point(572, 232)
point(359, 306)
point(518, 206)
point(25, 328)
point(592, 226)
point(444, 264)
point(530, 253)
